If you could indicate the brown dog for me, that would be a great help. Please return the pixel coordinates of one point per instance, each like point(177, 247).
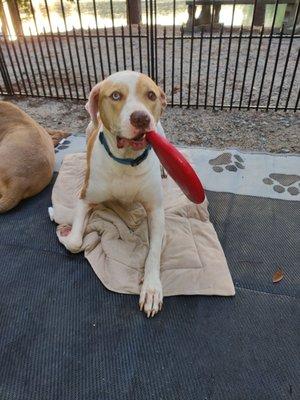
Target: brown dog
point(26, 156)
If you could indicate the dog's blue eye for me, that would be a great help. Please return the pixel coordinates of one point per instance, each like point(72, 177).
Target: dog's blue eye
point(116, 96)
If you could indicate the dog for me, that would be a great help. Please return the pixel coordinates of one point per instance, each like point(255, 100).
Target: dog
point(26, 156)
point(122, 166)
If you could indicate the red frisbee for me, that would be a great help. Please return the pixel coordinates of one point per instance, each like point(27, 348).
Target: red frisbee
point(177, 167)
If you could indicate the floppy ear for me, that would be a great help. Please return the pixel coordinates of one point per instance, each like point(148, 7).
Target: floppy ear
point(92, 104)
point(163, 99)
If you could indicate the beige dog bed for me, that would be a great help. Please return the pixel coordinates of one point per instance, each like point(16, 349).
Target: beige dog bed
point(116, 240)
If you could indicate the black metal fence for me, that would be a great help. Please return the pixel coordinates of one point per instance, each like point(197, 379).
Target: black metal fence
point(217, 66)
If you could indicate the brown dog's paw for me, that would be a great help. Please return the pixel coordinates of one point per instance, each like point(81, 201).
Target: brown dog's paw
point(57, 136)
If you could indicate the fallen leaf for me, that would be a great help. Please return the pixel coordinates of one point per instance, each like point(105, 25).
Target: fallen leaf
point(278, 276)
point(176, 89)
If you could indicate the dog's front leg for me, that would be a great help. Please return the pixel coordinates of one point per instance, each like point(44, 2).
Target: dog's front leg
point(72, 238)
point(151, 296)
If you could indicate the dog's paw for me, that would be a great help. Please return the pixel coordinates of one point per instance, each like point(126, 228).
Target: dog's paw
point(72, 243)
point(151, 296)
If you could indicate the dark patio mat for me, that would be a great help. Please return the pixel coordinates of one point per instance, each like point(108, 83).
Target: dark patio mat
point(63, 336)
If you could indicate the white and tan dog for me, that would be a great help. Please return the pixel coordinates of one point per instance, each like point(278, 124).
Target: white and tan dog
point(129, 104)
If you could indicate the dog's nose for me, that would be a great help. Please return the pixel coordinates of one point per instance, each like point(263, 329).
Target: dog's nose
point(139, 119)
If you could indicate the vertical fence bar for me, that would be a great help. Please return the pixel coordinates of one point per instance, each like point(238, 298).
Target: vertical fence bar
point(12, 63)
point(255, 67)
point(98, 39)
point(181, 64)
point(84, 46)
point(164, 59)
point(21, 50)
point(25, 67)
point(199, 68)
point(228, 54)
point(79, 63)
point(292, 80)
point(107, 50)
point(131, 44)
point(297, 101)
point(54, 48)
point(69, 48)
point(275, 67)
point(288, 54)
point(64, 62)
point(173, 52)
point(93, 55)
point(208, 58)
point(155, 40)
point(140, 48)
point(114, 34)
point(191, 56)
point(41, 48)
point(37, 62)
point(248, 54)
point(123, 47)
point(5, 74)
point(17, 61)
point(31, 66)
point(236, 66)
point(152, 40)
point(217, 70)
point(267, 56)
point(50, 61)
point(148, 38)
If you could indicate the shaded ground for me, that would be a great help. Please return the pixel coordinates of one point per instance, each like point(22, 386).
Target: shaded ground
point(251, 130)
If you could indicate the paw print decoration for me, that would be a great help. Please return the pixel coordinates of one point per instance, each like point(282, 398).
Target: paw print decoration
point(228, 161)
point(282, 182)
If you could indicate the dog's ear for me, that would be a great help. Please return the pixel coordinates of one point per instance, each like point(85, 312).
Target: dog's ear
point(163, 99)
point(92, 104)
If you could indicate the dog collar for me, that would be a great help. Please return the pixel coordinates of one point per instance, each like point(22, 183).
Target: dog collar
point(125, 161)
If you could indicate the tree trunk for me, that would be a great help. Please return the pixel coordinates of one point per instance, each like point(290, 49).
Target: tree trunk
point(134, 11)
point(15, 17)
point(259, 15)
point(3, 20)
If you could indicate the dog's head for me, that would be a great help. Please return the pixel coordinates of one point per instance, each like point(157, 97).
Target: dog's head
point(129, 104)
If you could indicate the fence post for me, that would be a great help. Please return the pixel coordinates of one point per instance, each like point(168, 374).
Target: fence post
point(134, 14)
point(5, 74)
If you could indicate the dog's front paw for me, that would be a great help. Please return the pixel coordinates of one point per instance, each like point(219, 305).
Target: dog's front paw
point(151, 296)
point(71, 242)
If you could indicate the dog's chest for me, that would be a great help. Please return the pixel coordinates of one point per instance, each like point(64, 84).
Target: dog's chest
point(107, 181)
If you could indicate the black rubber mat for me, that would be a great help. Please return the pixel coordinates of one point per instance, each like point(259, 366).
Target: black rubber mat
point(63, 336)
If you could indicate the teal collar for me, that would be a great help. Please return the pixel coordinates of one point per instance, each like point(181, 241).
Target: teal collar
point(125, 161)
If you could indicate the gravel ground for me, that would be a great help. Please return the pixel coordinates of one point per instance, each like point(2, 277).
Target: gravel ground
point(276, 132)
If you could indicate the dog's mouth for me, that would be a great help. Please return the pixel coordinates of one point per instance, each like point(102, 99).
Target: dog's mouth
point(138, 143)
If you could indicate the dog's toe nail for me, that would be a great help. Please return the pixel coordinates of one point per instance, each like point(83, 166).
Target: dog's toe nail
point(153, 313)
point(148, 313)
point(160, 306)
point(141, 304)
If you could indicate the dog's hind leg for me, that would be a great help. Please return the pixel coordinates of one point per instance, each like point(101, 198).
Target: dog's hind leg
point(11, 193)
point(73, 240)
